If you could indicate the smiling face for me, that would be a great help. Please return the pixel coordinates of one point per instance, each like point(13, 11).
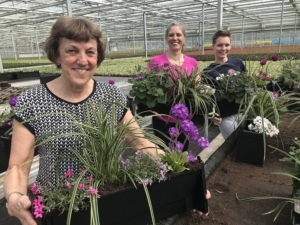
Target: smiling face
point(175, 39)
point(221, 49)
point(78, 60)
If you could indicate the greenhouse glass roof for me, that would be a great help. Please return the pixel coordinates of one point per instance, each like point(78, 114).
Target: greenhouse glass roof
point(26, 21)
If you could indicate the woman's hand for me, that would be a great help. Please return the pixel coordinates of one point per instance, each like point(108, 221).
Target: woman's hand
point(19, 206)
point(217, 118)
point(207, 196)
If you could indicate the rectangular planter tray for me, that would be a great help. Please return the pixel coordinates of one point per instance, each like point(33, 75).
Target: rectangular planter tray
point(295, 217)
point(185, 191)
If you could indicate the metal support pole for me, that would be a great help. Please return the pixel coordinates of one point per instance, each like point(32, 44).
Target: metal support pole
point(220, 15)
point(295, 29)
point(14, 47)
point(205, 127)
point(37, 43)
point(202, 41)
point(242, 37)
point(1, 65)
point(145, 34)
point(279, 46)
point(31, 48)
point(133, 40)
point(164, 37)
point(69, 8)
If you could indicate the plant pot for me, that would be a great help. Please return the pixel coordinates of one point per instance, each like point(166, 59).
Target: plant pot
point(279, 86)
point(4, 129)
point(250, 147)
point(7, 76)
point(227, 108)
point(45, 78)
point(295, 210)
point(181, 192)
point(24, 75)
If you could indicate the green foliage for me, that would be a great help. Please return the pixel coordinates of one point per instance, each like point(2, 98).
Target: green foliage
point(175, 160)
point(5, 113)
point(290, 74)
point(150, 87)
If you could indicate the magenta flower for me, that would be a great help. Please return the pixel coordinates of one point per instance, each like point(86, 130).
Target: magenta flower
point(112, 82)
point(140, 76)
point(81, 170)
point(180, 111)
point(38, 207)
point(274, 58)
point(81, 186)
point(34, 189)
point(232, 80)
point(263, 61)
point(250, 90)
point(9, 123)
point(13, 101)
point(91, 178)
point(93, 191)
point(68, 173)
point(166, 64)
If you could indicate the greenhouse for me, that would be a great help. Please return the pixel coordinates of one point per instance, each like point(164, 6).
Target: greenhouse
point(139, 112)
point(25, 24)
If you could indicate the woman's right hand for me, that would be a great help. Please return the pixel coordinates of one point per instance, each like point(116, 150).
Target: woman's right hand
point(19, 206)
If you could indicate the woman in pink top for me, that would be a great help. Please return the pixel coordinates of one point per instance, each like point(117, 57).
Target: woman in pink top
point(175, 38)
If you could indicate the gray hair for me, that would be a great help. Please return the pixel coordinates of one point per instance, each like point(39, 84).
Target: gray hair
point(175, 23)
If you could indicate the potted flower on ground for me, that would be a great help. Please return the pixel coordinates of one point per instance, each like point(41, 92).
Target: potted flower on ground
point(102, 165)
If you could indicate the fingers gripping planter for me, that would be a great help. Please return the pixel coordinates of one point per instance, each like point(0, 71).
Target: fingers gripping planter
point(182, 192)
point(295, 210)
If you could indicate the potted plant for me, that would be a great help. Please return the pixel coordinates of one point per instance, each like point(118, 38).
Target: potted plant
point(149, 198)
point(262, 112)
point(159, 90)
point(289, 79)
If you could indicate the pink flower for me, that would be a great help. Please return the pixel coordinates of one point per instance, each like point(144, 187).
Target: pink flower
point(68, 173)
point(81, 186)
point(140, 76)
point(34, 189)
point(275, 96)
point(93, 191)
point(263, 61)
point(91, 178)
point(81, 170)
point(68, 184)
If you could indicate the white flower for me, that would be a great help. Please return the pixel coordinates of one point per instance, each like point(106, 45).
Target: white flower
point(263, 125)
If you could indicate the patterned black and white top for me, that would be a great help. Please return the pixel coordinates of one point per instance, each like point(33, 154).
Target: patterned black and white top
point(44, 112)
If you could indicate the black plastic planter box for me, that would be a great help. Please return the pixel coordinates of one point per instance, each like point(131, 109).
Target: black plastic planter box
point(295, 217)
point(182, 192)
point(8, 76)
point(24, 75)
point(227, 108)
point(250, 147)
point(45, 78)
point(159, 109)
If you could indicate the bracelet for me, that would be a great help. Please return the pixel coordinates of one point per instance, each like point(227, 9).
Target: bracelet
point(11, 193)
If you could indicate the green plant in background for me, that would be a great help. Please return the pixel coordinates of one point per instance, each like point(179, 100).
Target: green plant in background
point(6, 111)
point(150, 87)
point(292, 156)
point(290, 74)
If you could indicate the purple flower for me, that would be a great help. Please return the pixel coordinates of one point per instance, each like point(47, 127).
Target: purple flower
point(13, 101)
point(176, 146)
point(187, 126)
point(274, 58)
point(173, 132)
point(180, 111)
point(275, 95)
point(232, 80)
point(194, 134)
point(166, 64)
point(112, 82)
point(190, 157)
point(9, 123)
point(140, 76)
point(263, 61)
point(203, 142)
